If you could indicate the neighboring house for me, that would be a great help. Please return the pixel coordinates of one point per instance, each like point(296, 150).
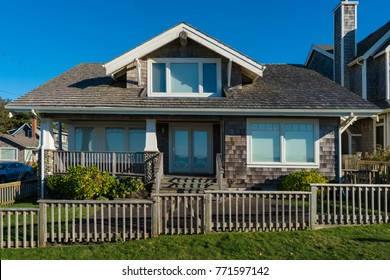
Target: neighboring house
point(363, 67)
point(19, 144)
point(22, 144)
point(192, 97)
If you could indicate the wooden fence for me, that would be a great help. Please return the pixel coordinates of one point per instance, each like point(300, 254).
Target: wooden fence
point(10, 192)
point(66, 222)
point(71, 221)
point(18, 228)
point(346, 204)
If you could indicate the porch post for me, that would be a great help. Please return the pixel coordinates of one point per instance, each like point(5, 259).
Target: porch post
point(150, 150)
point(46, 143)
point(151, 138)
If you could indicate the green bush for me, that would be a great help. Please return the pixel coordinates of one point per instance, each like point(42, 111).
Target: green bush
point(301, 180)
point(85, 183)
point(129, 188)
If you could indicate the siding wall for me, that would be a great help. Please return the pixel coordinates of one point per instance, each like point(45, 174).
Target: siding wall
point(6, 144)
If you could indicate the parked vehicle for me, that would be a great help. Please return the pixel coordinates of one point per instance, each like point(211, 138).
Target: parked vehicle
point(14, 171)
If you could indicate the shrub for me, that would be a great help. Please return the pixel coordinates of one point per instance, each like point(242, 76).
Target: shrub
point(129, 188)
point(301, 180)
point(81, 183)
point(89, 183)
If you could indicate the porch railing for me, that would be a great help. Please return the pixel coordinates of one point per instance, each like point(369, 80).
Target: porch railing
point(116, 163)
point(219, 171)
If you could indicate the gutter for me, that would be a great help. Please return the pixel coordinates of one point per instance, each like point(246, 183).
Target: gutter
point(196, 111)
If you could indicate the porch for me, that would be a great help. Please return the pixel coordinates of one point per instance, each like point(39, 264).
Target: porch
point(149, 166)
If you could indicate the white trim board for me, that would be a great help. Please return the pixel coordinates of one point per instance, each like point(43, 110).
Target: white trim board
point(164, 38)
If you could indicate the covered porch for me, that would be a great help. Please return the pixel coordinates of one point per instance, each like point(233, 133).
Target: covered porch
point(147, 148)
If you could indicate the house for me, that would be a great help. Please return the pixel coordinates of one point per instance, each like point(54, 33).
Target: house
point(362, 67)
point(21, 144)
point(201, 103)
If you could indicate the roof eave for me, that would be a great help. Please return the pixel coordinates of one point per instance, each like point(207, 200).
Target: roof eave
point(204, 111)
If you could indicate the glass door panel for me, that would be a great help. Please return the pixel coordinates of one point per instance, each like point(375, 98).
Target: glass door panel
point(181, 151)
point(200, 151)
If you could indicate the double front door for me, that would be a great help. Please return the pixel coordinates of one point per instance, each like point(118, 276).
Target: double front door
point(191, 149)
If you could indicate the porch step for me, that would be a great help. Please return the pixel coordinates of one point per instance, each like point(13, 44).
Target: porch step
point(187, 184)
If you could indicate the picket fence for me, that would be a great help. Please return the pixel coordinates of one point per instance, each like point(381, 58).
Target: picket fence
point(70, 221)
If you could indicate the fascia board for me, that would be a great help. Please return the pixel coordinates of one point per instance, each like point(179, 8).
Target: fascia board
point(319, 50)
point(224, 50)
point(377, 45)
point(203, 111)
point(120, 62)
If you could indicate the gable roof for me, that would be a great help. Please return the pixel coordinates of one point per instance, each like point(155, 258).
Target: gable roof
point(119, 63)
point(283, 90)
point(326, 50)
point(21, 140)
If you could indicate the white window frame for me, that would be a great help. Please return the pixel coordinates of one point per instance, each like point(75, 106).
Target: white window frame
point(283, 163)
point(200, 62)
point(10, 148)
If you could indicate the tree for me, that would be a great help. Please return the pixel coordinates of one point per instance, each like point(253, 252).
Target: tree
point(18, 119)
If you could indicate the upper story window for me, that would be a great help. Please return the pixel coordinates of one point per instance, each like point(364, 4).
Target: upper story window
point(184, 77)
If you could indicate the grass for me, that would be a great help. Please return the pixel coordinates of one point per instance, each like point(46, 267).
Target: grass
point(353, 243)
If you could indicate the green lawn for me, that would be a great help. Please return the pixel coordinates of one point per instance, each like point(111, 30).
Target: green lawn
point(355, 242)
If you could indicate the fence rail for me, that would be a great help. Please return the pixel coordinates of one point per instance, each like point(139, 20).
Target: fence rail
point(10, 192)
point(18, 227)
point(121, 163)
point(71, 221)
point(259, 211)
point(94, 221)
point(345, 204)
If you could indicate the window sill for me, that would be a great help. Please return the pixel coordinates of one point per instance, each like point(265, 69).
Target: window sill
point(283, 165)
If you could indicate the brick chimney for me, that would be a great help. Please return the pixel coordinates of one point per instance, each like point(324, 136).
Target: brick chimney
point(33, 128)
point(345, 25)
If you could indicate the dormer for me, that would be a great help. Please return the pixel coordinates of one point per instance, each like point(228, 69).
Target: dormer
point(184, 62)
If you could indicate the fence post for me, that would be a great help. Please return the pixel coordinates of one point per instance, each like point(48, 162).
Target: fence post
point(313, 207)
point(42, 220)
point(113, 164)
point(207, 212)
point(155, 216)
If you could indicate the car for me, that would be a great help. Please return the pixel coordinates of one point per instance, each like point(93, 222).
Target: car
point(15, 171)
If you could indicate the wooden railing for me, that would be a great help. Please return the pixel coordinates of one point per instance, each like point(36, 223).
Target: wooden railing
point(18, 227)
point(381, 167)
point(219, 171)
point(345, 204)
point(70, 221)
point(116, 163)
point(159, 173)
point(355, 176)
point(10, 192)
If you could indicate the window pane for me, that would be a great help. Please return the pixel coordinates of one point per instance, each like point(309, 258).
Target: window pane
point(184, 77)
point(181, 149)
point(137, 140)
point(266, 143)
point(200, 149)
point(115, 139)
point(159, 77)
point(85, 140)
point(209, 77)
point(299, 143)
point(8, 154)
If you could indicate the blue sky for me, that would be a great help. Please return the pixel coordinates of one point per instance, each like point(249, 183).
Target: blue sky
point(41, 39)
